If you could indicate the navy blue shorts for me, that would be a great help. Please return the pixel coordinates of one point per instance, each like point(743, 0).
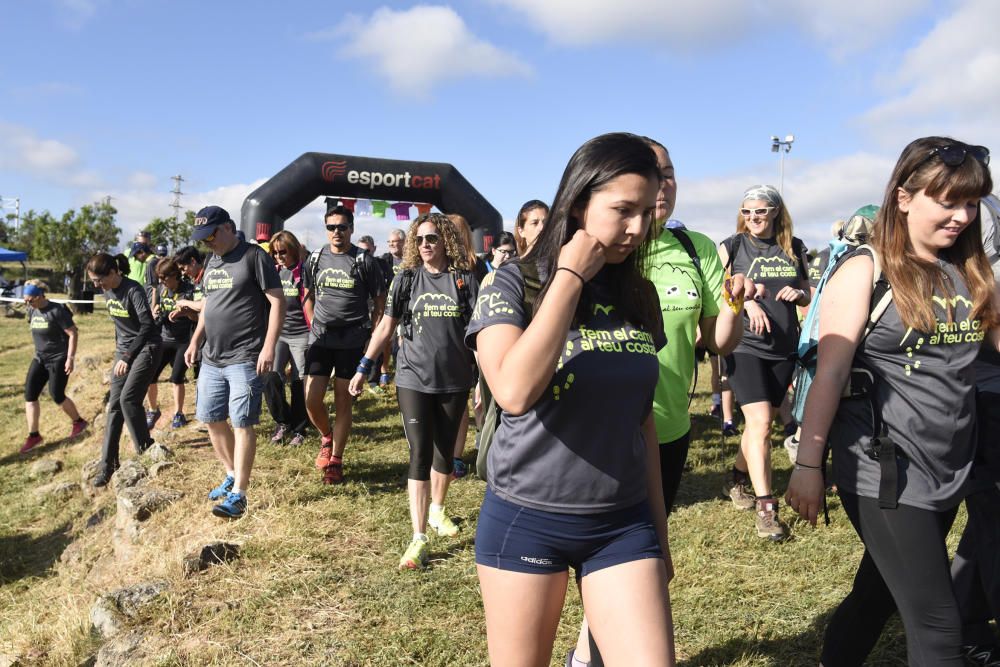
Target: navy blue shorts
point(521, 539)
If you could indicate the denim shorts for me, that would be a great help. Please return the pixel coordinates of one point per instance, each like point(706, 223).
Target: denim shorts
point(233, 391)
point(521, 539)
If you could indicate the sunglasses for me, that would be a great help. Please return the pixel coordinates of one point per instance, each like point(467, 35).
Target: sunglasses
point(431, 239)
point(210, 237)
point(338, 228)
point(747, 212)
point(955, 154)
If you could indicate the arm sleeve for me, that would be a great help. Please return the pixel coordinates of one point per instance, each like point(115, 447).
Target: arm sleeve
point(139, 305)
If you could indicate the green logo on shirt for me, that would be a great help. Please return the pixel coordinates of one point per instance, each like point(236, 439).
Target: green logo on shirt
point(218, 279)
point(116, 309)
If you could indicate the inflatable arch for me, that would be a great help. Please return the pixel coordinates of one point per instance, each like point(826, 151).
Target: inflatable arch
point(314, 175)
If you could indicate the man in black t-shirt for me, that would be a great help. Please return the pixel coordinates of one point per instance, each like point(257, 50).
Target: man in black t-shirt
point(344, 278)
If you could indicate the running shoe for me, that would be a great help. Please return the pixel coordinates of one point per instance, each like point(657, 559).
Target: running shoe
point(31, 442)
point(383, 380)
point(459, 469)
point(442, 523)
point(376, 389)
point(728, 430)
point(279, 434)
point(104, 476)
point(333, 473)
point(739, 492)
point(297, 440)
point(232, 507)
point(179, 420)
point(791, 428)
point(769, 526)
point(792, 447)
point(222, 489)
point(79, 426)
point(325, 451)
point(152, 416)
point(415, 556)
point(716, 411)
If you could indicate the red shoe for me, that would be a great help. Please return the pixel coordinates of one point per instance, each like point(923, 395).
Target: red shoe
point(333, 473)
point(79, 426)
point(325, 451)
point(31, 442)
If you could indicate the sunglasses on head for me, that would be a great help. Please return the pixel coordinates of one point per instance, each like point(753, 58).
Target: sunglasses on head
point(341, 227)
point(431, 239)
point(747, 212)
point(955, 154)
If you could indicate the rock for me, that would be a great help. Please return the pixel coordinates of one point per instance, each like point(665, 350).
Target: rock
point(212, 553)
point(160, 466)
point(97, 518)
point(112, 611)
point(89, 471)
point(57, 490)
point(131, 473)
point(45, 467)
point(139, 502)
point(90, 363)
point(9, 660)
point(121, 651)
point(105, 618)
point(158, 452)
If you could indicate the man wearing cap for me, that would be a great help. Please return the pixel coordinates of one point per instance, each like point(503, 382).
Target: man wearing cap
point(137, 267)
point(240, 321)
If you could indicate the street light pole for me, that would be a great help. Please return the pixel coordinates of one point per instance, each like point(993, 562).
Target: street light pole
point(782, 147)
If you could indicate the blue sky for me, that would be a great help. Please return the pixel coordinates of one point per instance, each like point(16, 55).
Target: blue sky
point(112, 97)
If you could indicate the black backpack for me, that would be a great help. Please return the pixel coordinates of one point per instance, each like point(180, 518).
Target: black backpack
point(359, 270)
point(406, 277)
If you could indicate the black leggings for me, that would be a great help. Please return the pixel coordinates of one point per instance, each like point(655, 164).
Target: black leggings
point(430, 422)
point(52, 372)
point(173, 356)
point(673, 456)
point(904, 568)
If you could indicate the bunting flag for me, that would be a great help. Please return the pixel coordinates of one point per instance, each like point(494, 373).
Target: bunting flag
point(378, 208)
point(402, 210)
point(362, 207)
point(348, 203)
point(423, 209)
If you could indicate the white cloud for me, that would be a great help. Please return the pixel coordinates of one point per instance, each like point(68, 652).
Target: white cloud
point(45, 159)
point(142, 180)
point(419, 48)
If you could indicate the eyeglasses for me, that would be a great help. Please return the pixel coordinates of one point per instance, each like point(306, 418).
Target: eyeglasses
point(98, 279)
point(338, 228)
point(504, 251)
point(747, 212)
point(431, 239)
point(955, 154)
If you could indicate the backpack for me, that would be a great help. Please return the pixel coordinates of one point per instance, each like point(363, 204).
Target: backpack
point(406, 278)
point(492, 411)
point(358, 268)
point(686, 243)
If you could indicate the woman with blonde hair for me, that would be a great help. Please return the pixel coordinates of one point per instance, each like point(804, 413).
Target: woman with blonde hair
point(903, 442)
point(432, 297)
point(55, 336)
point(760, 368)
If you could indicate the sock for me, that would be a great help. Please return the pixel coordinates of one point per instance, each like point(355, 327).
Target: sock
point(336, 459)
point(327, 439)
point(33, 434)
point(764, 501)
point(237, 490)
point(576, 662)
point(420, 536)
point(436, 509)
point(716, 399)
point(231, 473)
point(78, 420)
point(740, 476)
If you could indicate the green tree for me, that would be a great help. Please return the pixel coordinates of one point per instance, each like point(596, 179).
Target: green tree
point(71, 241)
point(23, 238)
point(175, 233)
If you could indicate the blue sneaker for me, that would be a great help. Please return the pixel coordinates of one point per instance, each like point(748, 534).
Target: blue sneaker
point(232, 507)
point(459, 469)
point(178, 421)
point(222, 489)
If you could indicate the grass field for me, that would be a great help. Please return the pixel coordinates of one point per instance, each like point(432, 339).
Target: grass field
point(317, 581)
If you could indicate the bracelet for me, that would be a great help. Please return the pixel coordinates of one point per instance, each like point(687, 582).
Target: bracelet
point(803, 466)
point(564, 268)
point(365, 365)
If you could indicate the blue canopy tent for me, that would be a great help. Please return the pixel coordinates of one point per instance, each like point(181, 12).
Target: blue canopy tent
point(14, 256)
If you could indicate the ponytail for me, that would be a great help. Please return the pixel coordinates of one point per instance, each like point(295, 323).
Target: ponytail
point(102, 264)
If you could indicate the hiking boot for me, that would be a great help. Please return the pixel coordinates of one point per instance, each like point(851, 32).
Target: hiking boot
point(233, 507)
point(31, 442)
point(178, 421)
point(769, 526)
point(297, 440)
point(415, 556)
point(79, 426)
point(104, 476)
point(459, 469)
point(222, 489)
point(279, 434)
point(152, 416)
point(333, 473)
point(440, 522)
point(738, 490)
point(792, 447)
point(325, 451)
point(729, 431)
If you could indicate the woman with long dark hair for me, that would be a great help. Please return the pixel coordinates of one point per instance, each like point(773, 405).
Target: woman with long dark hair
point(529, 223)
point(903, 441)
point(137, 356)
point(574, 374)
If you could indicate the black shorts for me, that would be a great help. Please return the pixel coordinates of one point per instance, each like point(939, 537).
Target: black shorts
point(322, 361)
point(173, 356)
point(756, 380)
point(53, 372)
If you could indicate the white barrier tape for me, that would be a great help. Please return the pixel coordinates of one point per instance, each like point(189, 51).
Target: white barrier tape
point(12, 299)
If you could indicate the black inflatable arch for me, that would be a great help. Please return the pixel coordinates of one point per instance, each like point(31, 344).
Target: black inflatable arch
point(314, 175)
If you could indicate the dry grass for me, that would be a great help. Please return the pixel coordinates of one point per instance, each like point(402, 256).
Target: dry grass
point(317, 582)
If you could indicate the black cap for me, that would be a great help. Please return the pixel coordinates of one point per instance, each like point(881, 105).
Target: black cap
point(206, 220)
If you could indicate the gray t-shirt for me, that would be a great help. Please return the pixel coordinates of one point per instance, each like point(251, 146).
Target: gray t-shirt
point(179, 331)
point(343, 284)
point(48, 330)
point(129, 309)
point(294, 287)
point(436, 360)
point(925, 390)
point(236, 310)
point(764, 262)
point(579, 449)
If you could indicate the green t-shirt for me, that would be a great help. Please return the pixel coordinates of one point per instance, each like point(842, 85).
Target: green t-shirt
point(685, 297)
